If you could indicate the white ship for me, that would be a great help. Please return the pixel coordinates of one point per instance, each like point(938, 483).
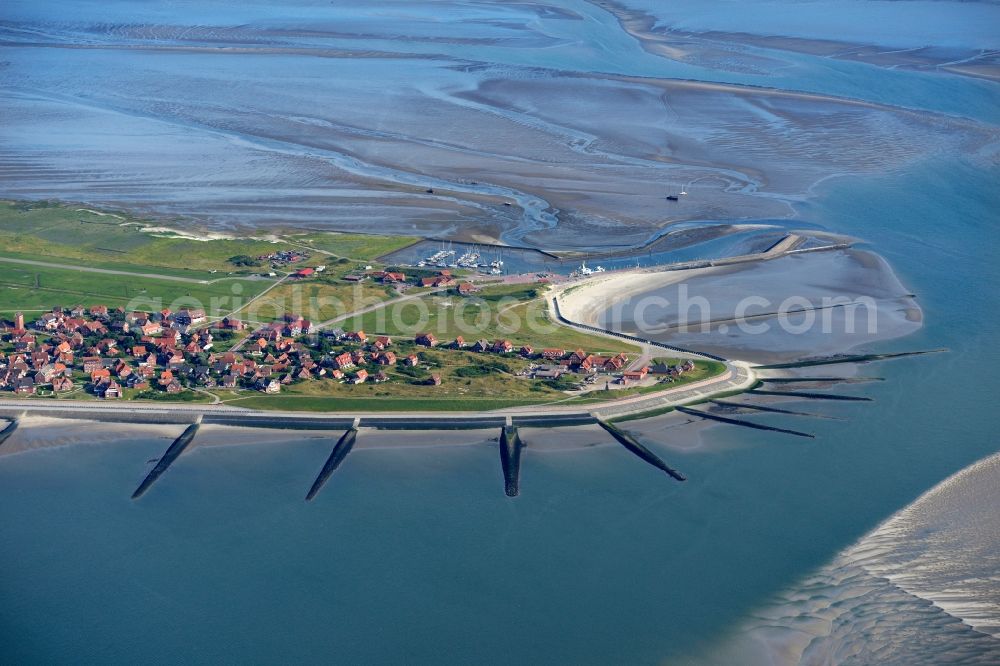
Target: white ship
point(583, 270)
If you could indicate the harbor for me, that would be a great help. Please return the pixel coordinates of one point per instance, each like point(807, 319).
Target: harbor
point(690, 243)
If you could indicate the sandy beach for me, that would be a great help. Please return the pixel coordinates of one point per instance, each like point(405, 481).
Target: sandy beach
point(40, 432)
point(585, 303)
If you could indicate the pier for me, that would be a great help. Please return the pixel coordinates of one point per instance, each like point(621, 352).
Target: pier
point(510, 459)
point(340, 451)
point(175, 450)
point(630, 443)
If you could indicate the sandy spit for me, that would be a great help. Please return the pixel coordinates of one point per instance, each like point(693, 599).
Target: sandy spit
point(585, 302)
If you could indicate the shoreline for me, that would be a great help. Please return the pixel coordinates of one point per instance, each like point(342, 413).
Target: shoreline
point(593, 301)
point(659, 38)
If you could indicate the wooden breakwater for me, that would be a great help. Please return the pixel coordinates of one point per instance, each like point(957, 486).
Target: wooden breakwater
point(340, 451)
point(829, 380)
point(813, 396)
point(833, 360)
point(630, 443)
point(175, 450)
point(510, 459)
point(8, 431)
point(772, 410)
point(741, 422)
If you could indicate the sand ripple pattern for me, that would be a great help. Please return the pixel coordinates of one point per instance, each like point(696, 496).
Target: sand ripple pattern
point(923, 588)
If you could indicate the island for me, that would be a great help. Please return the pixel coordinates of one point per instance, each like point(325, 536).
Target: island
point(102, 307)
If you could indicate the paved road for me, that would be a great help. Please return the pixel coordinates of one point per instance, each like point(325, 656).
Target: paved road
point(239, 345)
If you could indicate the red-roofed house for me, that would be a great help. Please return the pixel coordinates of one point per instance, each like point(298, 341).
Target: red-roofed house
point(392, 278)
point(343, 361)
point(427, 340)
point(502, 346)
point(62, 384)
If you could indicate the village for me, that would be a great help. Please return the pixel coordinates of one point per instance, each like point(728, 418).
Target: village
point(110, 354)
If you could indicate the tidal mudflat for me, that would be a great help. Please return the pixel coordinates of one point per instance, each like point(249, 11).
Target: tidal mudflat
point(429, 119)
point(542, 124)
point(814, 304)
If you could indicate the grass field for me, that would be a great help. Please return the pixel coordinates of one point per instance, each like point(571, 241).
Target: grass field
point(72, 236)
point(115, 239)
point(330, 404)
point(66, 236)
point(355, 246)
point(407, 383)
point(317, 301)
point(34, 288)
point(514, 312)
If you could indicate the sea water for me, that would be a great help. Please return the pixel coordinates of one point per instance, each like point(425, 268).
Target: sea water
point(415, 555)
